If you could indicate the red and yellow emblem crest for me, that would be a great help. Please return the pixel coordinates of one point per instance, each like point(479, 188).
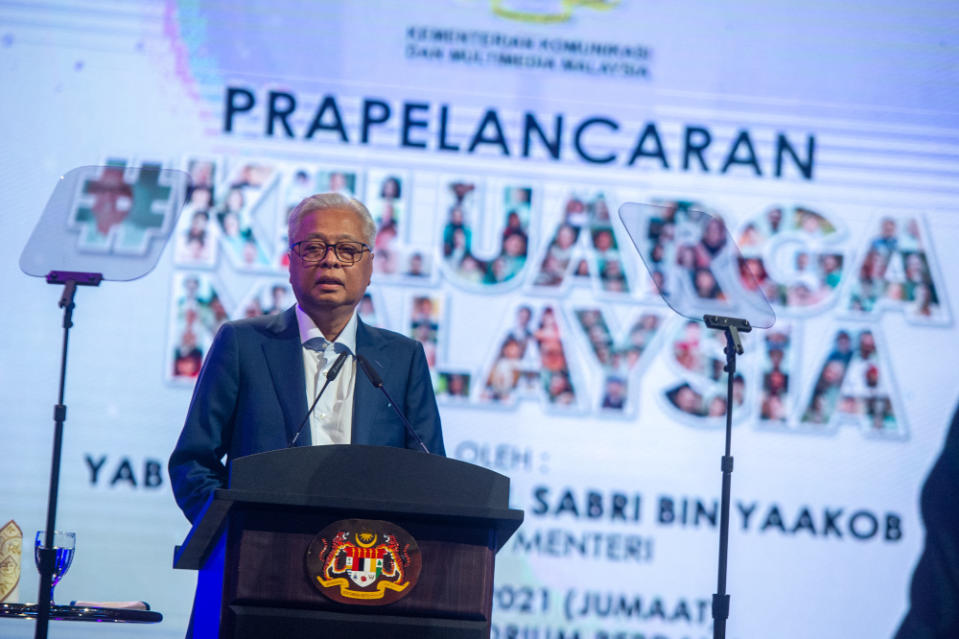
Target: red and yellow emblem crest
point(363, 561)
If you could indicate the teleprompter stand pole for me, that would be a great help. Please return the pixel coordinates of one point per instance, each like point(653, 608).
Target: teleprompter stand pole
point(732, 327)
point(70, 281)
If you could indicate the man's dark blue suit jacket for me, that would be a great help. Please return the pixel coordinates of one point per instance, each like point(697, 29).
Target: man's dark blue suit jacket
point(251, 397)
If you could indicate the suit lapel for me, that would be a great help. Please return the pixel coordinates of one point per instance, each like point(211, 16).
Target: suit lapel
point(284, 358)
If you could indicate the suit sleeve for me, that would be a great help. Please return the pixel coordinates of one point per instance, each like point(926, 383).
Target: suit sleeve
point(934, 594)
point(421, 407)
point(196, 466)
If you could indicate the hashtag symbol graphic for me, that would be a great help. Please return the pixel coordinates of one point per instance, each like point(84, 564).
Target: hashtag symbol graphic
point(121, 209)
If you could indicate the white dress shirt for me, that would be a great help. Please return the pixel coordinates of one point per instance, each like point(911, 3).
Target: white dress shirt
point(331, 422)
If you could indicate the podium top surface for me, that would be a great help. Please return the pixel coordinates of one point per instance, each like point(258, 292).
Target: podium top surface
point(392, 482)
point(368, 473)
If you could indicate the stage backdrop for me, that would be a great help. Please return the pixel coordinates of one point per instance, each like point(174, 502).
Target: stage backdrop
point(494, 141)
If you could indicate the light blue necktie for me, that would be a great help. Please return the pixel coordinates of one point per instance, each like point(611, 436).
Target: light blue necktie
point(317, 344)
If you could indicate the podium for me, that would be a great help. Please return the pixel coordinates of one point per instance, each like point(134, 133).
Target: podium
point(252, 540)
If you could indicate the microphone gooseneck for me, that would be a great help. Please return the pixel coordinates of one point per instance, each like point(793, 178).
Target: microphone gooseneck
point(377, 381)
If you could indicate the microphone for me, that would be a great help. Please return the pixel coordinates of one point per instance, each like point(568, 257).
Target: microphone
point(330, 376)
point(377, 381)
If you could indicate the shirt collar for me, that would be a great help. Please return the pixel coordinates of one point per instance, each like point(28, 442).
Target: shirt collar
point(308, 330)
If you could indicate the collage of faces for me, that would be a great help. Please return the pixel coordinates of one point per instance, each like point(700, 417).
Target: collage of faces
point(530, 359)
point(198, 313)
point(896, 272)
point(682, 244)
point(777, 364)
point(221, 211)
point(463, 214)
point(811, 276)
point(200, 309)
point(385, 200)
point(851, 385)
point(892, 269)
point(425, 325)
point(222, 215)
point(698, 350)
point(617, 359)
point(584, 240)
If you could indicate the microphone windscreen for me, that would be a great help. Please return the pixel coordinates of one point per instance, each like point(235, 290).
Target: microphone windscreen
point(337, 365)
point(370, 371)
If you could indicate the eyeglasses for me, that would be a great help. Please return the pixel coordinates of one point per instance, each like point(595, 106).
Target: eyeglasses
point(314, 251)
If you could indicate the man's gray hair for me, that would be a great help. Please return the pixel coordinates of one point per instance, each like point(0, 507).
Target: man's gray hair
point(333, 201)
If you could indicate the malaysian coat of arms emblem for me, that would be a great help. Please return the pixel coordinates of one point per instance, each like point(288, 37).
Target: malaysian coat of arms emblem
point(363, 562)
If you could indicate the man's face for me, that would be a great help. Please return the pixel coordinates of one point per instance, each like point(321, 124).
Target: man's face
point(329, 284)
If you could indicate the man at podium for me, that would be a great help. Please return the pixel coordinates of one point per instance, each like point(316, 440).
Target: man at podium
point(261, 375)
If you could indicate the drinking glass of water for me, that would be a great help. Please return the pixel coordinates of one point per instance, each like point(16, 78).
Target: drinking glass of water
point(64, 544)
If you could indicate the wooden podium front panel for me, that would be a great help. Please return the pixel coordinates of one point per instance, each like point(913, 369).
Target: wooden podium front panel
point(257, 622)
point(269, 549)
